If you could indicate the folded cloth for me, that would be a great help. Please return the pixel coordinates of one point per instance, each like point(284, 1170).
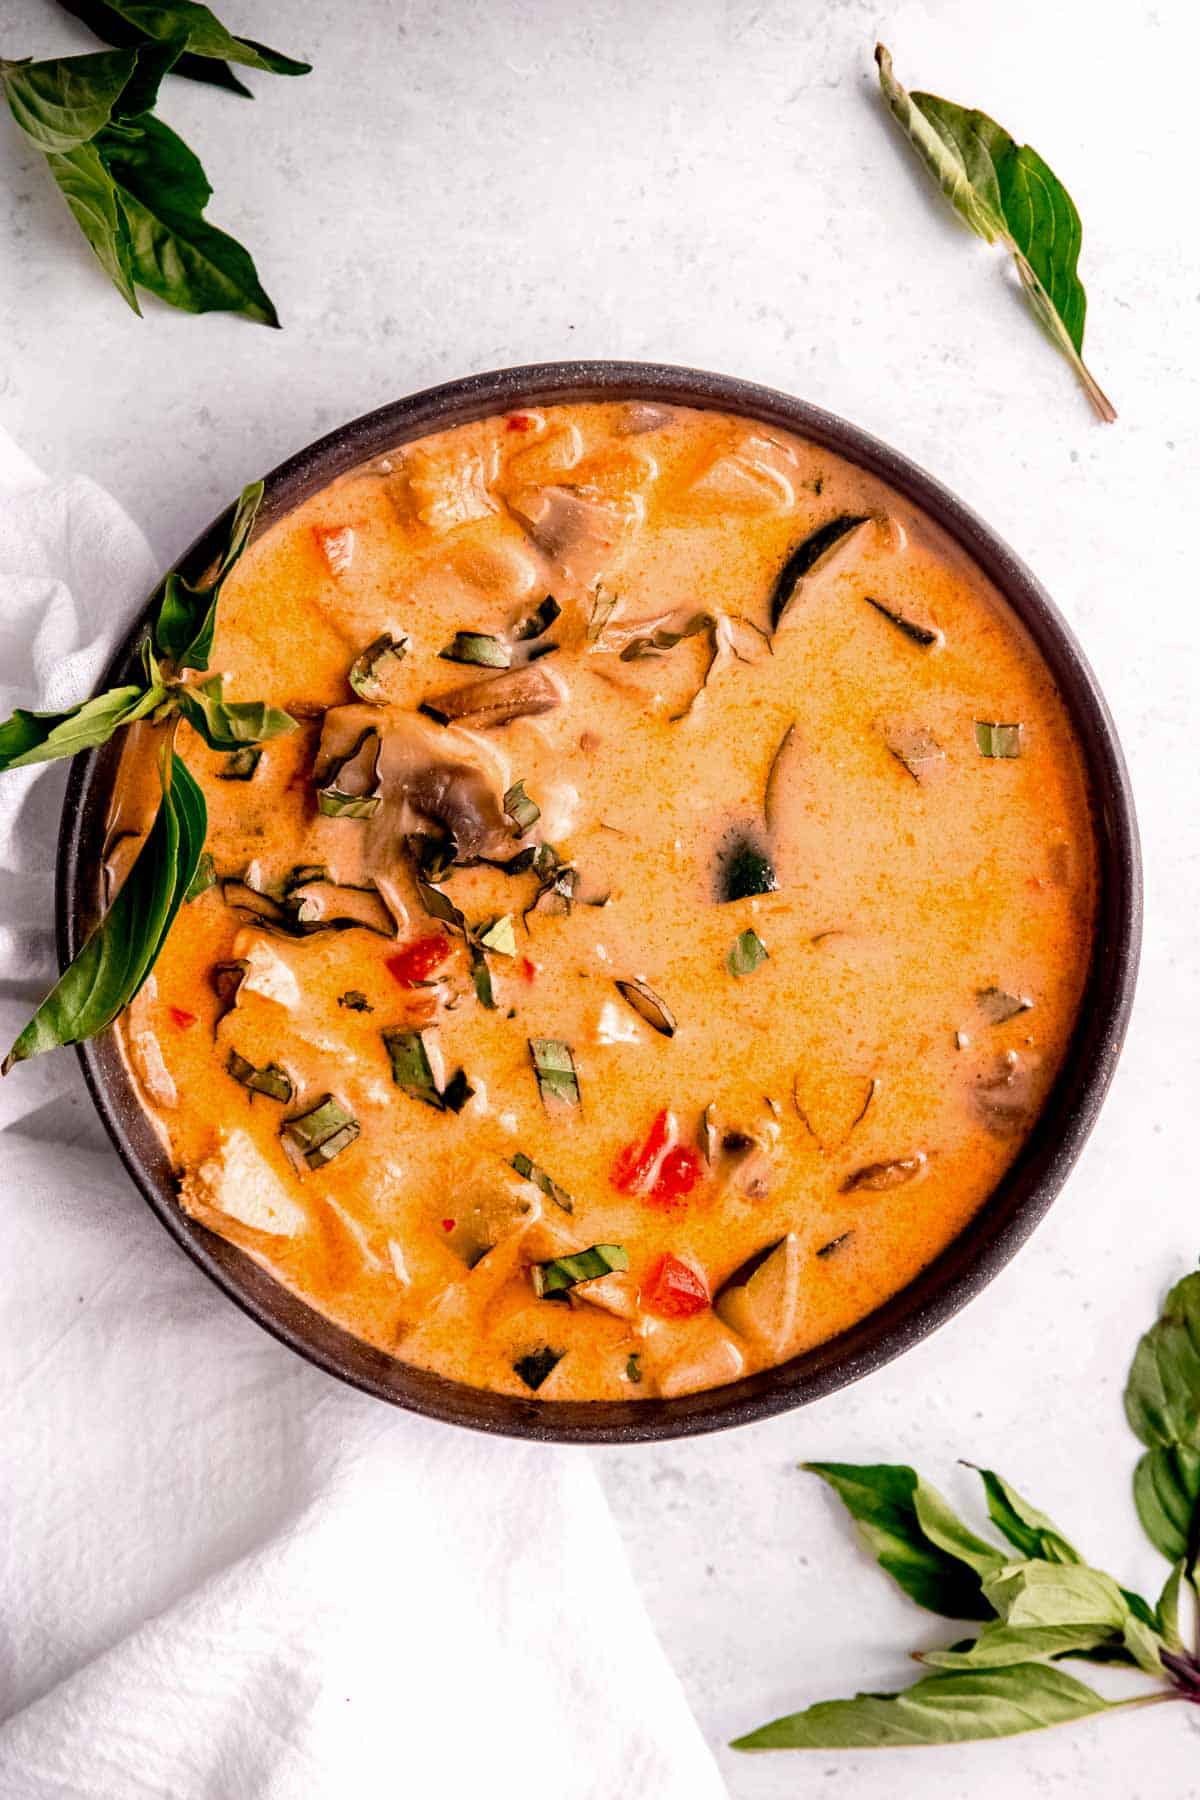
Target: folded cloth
point(223, 1576)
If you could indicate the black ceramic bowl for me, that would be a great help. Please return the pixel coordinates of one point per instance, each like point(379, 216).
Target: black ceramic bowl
point(1026, 1191)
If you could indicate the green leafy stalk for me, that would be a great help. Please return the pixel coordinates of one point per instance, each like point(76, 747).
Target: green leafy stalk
point(1004, 191)
point(1162, 1404)
point(229, 724)
point(187, 612)
point(32, 737)
point(119, 955)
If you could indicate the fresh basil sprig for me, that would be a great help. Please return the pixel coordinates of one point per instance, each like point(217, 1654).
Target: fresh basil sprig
point(1004, 191)
point(209, 47)
point(136, 191)
point(170, 866)
point(1037, 1601)
point(120, 953)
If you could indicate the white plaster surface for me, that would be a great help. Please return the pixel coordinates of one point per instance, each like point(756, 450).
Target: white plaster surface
point(462, 186)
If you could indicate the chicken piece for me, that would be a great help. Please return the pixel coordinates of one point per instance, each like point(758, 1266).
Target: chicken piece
point(238, 1182)
point(447, 486)
point(746, 480)
point(579, 534)
point(336, 546)
point(267, 973)
point(709, 1358)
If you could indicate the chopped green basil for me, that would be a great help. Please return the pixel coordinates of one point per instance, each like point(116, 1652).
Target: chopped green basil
point(332, 804)
point(747, 953)
point(633, 1367)
point(835, 1244)
point(273, 1081)
point(554, 1067)
point(240, 765)
point(204, 878)
point(412, 1073)
point(563, 1272)
point(368, 672)
point(646, 1003)
point(317, 1136)
point(500, 937)
point(805, 560)
point(354, 1000)
point(534, 1368)
point(916, 634)
point(997, 740)
point(743, 871)
point(538, 622)
point(478, 648)
point(518, 807)
point(481, 976)
point(530, 1171)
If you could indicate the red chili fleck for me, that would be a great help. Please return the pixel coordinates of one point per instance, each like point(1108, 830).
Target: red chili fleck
point(417, 961)
point(521, 421)
point(181, 1018)
point(447, 1224)
point(529, 969)
point(635, 1164)
point(678, 1174)
point(673, 1289)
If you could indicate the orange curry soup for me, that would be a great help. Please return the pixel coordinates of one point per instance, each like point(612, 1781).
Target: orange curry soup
point(662, 928)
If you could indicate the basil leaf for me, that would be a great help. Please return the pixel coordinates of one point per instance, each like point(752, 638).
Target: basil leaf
point(743, 870)
point(518, 807)
point(1004, 191)
point(273, 1081)
point(187, 612)
point(61, 104)
point(538, 622)
point(120, 953)
point(334, 805)
point(32, 737)
point(530, 1171)
point(992, 739)
point(1001, 1646)
point(477, 648)
point(174, 251)
point(563, 1272)
point(647, 1005)
point(228, 724)
point(1050, 1594)
point(413, 1074)
point(368, 671)
point(943, 1709)
point(354, 1000)
point(500, 937)
point(353, 791)
point(998, 1006)
point(1032, 1533)
point(806, 559)
point(481, 976)
point(241, 765)
point(91, 193)
point(554, 1066)
point(916, 634)
point(633, 1367)
point(204, 878)
point(315, 1137)
point(657, 642)
point(208, 45)
point(1162, 1404)
point(747, 954)
point(915, 1537)
point(534, 1368)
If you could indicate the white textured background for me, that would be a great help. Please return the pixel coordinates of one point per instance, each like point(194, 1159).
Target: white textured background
point(483, 182)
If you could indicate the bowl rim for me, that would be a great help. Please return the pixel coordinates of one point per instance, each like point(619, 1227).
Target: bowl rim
point(1026, 1191)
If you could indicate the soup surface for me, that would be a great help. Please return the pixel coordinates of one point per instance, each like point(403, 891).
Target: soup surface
point(663, 927)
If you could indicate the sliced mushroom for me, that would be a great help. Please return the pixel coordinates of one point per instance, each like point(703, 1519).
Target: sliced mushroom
point(1003, 1099)
point(522, 693)
point(319, 903)
point(577, 533)
point(878, 1178)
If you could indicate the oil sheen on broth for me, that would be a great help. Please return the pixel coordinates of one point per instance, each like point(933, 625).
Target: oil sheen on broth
point(662, 929)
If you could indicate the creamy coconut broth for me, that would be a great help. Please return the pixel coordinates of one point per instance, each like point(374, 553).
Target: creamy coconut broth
point(667, 888)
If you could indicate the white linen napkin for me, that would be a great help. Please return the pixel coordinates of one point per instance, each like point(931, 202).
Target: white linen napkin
point(224, 1576)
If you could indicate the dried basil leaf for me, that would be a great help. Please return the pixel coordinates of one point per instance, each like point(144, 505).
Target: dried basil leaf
point(354, 1000)
point(538, 622)
point(744, 870)
point(916, 634)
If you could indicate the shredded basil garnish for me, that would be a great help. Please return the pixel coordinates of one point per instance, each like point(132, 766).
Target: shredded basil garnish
point(273, 1081)
point(805, 560)
point(368, 671)
point(538, 622)
point(518, 807)
point(500, 937)
point(534, 1368)
point(354, 1000)
point(633, 1367)
point(916, 634)
point(240, 765)
point(530, 1171)
point(997, 740)
point(747, 953)
point(554, 1067)
point(647, 1005)
point(478, 648)
point(412, 1073)
point(204, 878)
point(352, 782)
point(562, 1272)
point(317, 1136)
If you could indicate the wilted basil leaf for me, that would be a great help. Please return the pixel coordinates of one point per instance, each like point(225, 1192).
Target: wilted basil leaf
point(563, 1272)
point(747, 953)
point(187, 611)
point(229, 724)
